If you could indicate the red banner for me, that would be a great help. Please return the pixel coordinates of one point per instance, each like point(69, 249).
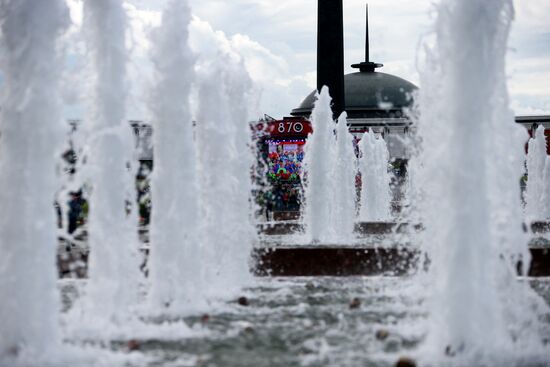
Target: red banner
point(289, 128)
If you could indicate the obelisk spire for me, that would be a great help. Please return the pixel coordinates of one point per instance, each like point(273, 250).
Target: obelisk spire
point(367, 65)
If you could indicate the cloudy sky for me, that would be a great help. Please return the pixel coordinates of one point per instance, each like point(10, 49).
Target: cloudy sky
point(277, 39)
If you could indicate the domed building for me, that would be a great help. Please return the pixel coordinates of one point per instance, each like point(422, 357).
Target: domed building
point(371, 99)
point(374, 101)
point(369, 95)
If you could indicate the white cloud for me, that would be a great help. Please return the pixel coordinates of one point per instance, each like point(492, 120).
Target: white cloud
point(287, 28)
point(532, 15)
point(530, 76)
point(270, 72)
point(277, 40)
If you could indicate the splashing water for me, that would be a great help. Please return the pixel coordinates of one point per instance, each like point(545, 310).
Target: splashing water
point(412, 194)
point(344, 184)
point(174, 251)
point(545, 198)
point(375, 188)
point(31, 134)
point(241, 230)
point(466, 179)
point(330, 163)
point(471, 163)
point(225, 156)
point(317, 157)
point(536, 158)
point(113, 264)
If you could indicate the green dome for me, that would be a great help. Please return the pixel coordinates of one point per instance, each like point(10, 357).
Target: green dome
point(369, 95)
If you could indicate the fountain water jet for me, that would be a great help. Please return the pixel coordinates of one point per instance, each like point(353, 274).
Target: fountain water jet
point(536, 158)
point(344, 183)
point(113, 263)
point(330, 163)
point(31, 132)
point(174, 256)
point(375, 179)
point(472, 154)
point(318, 156)
point(238, 91)
point(545, 198)
point(225, 156)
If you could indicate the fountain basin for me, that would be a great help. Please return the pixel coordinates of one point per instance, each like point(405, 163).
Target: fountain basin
point(318, 260)
point(329, 260)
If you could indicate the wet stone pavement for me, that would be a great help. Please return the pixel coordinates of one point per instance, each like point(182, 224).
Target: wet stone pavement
point(317, 321)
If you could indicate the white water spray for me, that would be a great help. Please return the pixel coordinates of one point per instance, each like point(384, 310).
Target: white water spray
point(471, 163)
point(375, 187)
point(225, 173)
point(317, 163)
point(238, 90)
point(536, 158)
point(545, 198)
point(344, 196)
point(113, 263)
point(330, 164)
point(413, 193)
point(174, 257)
point(31, 131)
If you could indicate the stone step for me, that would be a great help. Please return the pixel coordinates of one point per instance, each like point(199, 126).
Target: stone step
point(361, 228)
point(373, 228)
point(540, 227)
